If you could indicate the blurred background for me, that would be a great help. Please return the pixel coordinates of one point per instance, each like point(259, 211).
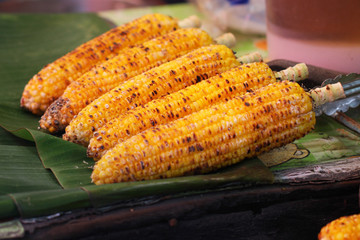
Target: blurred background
point(62, 6)
point(324, 33)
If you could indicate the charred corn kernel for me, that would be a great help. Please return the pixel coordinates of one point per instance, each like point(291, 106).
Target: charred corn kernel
point(346, 227)
point(169, 77)
point(224, 86)
point(129, 63)
point(179, 104)
point(48, 84)
point(212, 138)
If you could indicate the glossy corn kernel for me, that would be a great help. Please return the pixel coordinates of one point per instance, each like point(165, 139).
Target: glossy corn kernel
point(179, 104)
point(129, 63)
point(169, 77)
point(50, 82)
point(212, 138)
point(343, 228)
point(221, 87)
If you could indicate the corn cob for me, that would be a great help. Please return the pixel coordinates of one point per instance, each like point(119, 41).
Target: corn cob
point(218, 136)
point(212, 138)
point(129, 63)
point(346, 227)
point(169, 77)
point(186, 101)
point(48, 84)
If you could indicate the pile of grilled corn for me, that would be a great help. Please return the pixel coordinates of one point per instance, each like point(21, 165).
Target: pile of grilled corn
point(158, 98)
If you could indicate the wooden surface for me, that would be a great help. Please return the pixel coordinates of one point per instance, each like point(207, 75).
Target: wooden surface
point(265, 212)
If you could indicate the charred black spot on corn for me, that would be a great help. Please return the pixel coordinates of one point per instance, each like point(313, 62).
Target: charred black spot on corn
point(196, 97)
point(218, 135)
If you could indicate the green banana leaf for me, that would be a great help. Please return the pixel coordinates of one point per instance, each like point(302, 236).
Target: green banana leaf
point(42, 174)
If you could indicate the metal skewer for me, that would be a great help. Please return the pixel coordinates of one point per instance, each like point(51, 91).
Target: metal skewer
point(337, 108)
point(352, 88)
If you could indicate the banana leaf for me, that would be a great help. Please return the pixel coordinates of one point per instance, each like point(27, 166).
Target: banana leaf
point(42, 174)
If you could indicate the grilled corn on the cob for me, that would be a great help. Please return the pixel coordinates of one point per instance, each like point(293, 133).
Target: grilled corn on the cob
point(212, 138)
point(129, 63)
point(221, 87)
point(169, 77)
point(343, 228)
point(50, 82)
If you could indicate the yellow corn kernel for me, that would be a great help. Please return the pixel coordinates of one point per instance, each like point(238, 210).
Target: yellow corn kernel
point(343, 228)
point(169, 77)
point(212, 138)
point(54, 77)
point(179, 104)
point(129, 63)
point(221, 87)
